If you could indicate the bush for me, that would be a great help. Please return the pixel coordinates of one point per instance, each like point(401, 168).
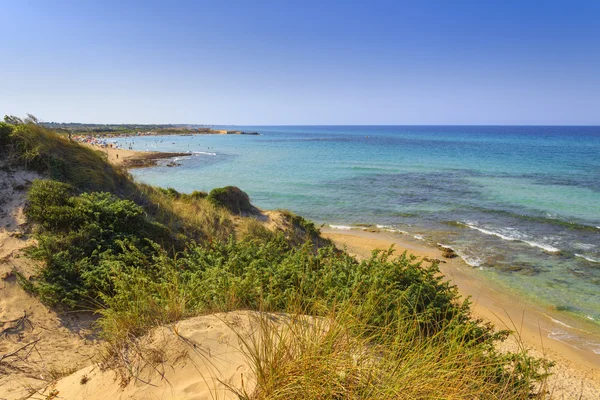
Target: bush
point(232, 198)
point(82, 238)
point(411, 322)
point(5, 131)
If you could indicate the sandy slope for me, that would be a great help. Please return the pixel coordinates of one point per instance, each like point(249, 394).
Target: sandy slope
point(50, 344)
point(195, 359)
point(576, 375)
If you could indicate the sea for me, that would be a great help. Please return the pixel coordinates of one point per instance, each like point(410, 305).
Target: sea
point(519, 204)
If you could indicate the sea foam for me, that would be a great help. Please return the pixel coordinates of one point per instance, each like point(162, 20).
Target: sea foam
point(391, 229)
point(512, 235)
point(590, 259)
point(473, 261)
point(341, 227)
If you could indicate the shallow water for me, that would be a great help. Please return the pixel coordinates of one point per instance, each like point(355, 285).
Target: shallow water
point(520, 203)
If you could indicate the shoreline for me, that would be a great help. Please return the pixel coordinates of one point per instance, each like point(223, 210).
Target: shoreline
point(577, 372)
point(130, 159)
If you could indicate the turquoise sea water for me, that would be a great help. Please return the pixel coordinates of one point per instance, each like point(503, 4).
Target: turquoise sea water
point(520, 204)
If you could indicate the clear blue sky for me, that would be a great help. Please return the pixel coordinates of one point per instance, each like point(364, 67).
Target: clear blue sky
point(302, 62)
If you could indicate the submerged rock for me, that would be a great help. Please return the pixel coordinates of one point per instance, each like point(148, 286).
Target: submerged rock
point(447, 252)
point(521, 268)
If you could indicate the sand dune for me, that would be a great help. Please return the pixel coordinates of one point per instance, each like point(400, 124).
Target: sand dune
point(195, 359)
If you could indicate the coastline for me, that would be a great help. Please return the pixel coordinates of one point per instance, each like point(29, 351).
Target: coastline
point(576, 373)
point(134, 158)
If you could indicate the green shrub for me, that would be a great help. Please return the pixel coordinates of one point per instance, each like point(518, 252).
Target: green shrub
point(5, 131)
point(232, 198)
point(394, 301)
point(80, 238)
point(198, 194)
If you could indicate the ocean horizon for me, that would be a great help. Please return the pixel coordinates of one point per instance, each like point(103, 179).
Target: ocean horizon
point(519, 204)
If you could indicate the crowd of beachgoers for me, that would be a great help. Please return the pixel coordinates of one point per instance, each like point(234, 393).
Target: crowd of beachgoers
point(95, 141)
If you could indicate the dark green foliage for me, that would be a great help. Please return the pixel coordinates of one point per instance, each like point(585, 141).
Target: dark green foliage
point(174, 194)
point(232, 198)
point(384, 292)
point(81, 237)
point(198, 194)
point(274, 276)
point(5, 131)
point(48, 204)
point(170, 192)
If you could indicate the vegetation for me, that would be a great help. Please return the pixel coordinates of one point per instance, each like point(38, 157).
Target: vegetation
point(47, 152)
point(81, 239)
point(123, 129)
point(143, 256)
point(232, 198)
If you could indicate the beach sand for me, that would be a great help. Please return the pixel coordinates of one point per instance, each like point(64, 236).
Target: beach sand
point(198, 358)
point(134, 158)
point(576, 374)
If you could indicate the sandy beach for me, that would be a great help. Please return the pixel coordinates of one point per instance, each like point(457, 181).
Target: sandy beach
point(576, 374)
point(133, 158)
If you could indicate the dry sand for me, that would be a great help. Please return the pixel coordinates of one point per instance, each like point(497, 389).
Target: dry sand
point(37, 345)
point(577, 373)
point(195, 359)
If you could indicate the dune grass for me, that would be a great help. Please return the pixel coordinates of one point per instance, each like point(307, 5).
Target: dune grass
point(338, 356)
point(47, 152)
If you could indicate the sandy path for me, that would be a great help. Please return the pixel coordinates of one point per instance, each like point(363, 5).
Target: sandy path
point(577, 374)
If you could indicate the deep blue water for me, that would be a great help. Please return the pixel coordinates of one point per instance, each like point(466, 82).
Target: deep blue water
point(522, 204)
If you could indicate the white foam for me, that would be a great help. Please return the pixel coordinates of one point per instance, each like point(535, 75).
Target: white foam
point(590, 259)
point(383, 226)
point(562, 337)
point(560, 323)
point(341, 227)
point(419, 237)
point(584, 246)
point(204, 152)
point(388, 228)
point(473, 261)
point(512, 235)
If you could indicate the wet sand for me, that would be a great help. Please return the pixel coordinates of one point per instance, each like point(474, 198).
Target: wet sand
point(577, 372)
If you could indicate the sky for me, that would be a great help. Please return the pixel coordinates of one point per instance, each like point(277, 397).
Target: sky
point(302, 62)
